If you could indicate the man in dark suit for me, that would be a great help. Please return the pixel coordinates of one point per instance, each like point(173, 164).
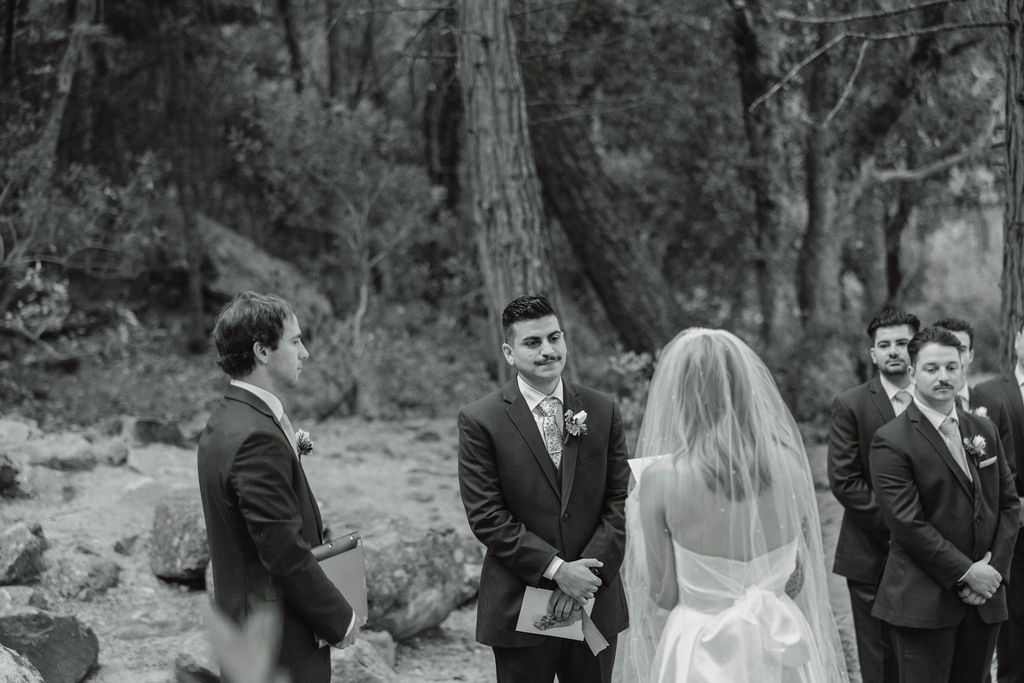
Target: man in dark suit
point(261, 517)
point(946, 493)
point(1005, 392)
point(543, 474)
point(863, 537)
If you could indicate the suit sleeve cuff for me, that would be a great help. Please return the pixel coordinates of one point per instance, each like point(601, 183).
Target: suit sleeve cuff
point(556, 562)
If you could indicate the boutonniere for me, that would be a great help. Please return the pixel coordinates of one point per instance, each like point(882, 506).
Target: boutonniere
point(575, 423)
point(980, 411)
point(975, 447)
point(303, 441)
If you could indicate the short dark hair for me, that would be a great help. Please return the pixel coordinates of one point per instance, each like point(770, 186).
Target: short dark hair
point(957, 325)
point(891, 318)
point(529, 307)
point(246, 319)
point(932, 335)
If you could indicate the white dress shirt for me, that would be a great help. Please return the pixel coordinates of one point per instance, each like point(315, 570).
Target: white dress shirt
point(533, 399)
point(891, 390)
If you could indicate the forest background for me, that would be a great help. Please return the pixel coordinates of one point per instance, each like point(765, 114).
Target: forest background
point(780, 169)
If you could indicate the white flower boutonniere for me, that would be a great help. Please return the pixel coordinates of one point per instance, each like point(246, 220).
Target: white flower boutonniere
point(980, 411)
point(975, 447)
point(575, 423)
point(303, 441)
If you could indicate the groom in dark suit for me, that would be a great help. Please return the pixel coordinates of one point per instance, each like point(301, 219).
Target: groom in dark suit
point(1006, 391)
point(544, 490)
point(261, 517)
point(946, 494)
point(863, 537)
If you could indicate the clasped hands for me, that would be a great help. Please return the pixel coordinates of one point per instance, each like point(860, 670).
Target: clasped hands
point(577, 585)
point(980, 582)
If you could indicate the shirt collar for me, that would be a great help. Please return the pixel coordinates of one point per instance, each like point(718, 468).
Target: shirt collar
point(934, 416)
point(965, 394)
point(273, 402)
point(891, 389)
point(534, 397)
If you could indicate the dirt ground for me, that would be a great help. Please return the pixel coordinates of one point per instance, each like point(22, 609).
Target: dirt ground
point(360, 470)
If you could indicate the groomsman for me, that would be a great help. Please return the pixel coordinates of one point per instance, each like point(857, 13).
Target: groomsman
point(979, 402)
point(863, 537)
point(1006, 391)
point(946, 493)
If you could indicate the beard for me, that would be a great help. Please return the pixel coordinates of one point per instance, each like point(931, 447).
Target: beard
point(894, 371)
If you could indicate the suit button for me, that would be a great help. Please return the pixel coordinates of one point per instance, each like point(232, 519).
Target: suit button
point(565, 516)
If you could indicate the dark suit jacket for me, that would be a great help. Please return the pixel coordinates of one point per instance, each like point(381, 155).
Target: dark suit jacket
point(525, 513)
point(262, 520)
point(1001, 396)
point(941, 522)
point(863, 542)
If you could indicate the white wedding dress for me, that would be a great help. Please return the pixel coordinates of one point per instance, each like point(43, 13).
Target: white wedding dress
point(734, 622)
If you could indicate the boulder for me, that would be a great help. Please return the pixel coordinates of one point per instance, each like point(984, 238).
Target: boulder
point(193, 663)
point(178, 548)
point(16, 669)
point(152, 430)
point(416, 576)
point(126, 545)
point(241, 265)
point(61, 647)
point(360, 662)
point(21, 553)
point(23, 596)
point(78, 460)
point(9, 471)
point(82, 579)
point(385, 644)
point(114, 452)
point(16, 430)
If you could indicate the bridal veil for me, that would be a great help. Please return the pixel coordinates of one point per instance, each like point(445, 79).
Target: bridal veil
point(728, 470)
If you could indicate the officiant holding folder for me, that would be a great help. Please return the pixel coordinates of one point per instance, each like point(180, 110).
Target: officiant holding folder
point(543, 474)
point(261, 517)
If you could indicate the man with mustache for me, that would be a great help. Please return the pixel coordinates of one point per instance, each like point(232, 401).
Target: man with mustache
point(863, 537)
point(543, 474)
point(946, 493)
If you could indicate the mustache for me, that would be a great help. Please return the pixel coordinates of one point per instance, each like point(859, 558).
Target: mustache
point(943, 385)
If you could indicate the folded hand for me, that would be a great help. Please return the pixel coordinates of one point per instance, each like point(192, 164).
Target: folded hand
point(577, 581)
point(982, 578)
point(970, 597)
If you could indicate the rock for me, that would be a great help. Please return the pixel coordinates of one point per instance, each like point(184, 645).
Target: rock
point(241, 265)
point(79, 460)
point(16, 430)
point(148, 430)
point(61, 647)
point(9, 471)
point(193, 663)
point(16, 669)
point(360, 662)
point(126, 545)
point(21, 553)
point(178, 548)
point(22, 596)
point(385, 644)
point(84, 581)
point(114, 452)
point(416, 576)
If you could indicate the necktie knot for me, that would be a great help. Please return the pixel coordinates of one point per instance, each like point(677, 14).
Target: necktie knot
point(903, 399)
point(549, 407)
point(950, 430)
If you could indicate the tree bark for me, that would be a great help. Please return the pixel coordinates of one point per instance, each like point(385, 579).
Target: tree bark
point(335, 48)
point(753, 37)
point(291, 41)
point(442, 108)
point(507, 209)
point(1012, 285)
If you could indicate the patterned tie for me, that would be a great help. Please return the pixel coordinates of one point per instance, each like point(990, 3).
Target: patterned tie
point(903, 400)
point(551, 409)
point(289, 431)
point(951, 435)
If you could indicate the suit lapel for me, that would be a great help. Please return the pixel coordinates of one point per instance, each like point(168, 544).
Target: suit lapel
point(881, 401)
point(932, 436)
point(967, 432)
point(571, 450)
point(524, 422)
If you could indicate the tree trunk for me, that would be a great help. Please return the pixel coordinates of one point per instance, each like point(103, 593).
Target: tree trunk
point(335, 48)
point(291, 41)
point(507, 209)
point(442, 108)
point(753, 36)
point(1012, 310)
point(818, 265)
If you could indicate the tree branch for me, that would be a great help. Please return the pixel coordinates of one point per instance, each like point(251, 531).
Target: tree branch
point(786, 15)
point(937, 166)
point(849, 84)
point(875, 37)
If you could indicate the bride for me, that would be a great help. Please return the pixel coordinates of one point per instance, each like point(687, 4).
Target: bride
point(724, 567)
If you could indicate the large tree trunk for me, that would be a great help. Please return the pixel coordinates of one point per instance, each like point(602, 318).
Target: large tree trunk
point(335, 48)
point(291, 41)
point(1012, 312)
point(442, 107)
point(818, 265)
point(757, 65)
point(507, 207)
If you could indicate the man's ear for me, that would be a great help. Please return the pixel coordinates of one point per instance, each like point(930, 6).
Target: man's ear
point(507, 350)
point(259, 352)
